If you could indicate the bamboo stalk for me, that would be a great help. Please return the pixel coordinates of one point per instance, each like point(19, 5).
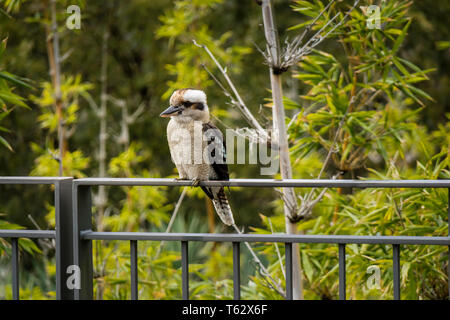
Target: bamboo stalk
point(289, 197)
point(55, 73)
point(103, 136)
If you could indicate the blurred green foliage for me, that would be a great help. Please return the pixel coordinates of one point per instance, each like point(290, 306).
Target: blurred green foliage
point(8, 99)
point(387, 87)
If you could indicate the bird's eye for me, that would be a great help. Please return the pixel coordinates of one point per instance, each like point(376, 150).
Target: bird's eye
point(187, 104)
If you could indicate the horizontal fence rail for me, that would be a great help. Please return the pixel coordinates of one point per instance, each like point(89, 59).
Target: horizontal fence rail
point(281, 237)
point(30, 234)
point(74, 231)
point(267, 183)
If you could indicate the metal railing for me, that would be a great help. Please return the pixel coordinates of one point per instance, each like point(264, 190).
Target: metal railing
point(62, 233)
point(81, 235)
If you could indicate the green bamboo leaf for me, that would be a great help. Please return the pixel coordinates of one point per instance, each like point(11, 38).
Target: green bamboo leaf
point(4, 114)
point(400, 66)
point(3, 12)
point(14, 79)
point(4, 129)
point(5, 143)
point(307, 267)
point(398, 42)
point(442, 45)
point(382, 150)
point(2, 46)
point(331, 104)
point(308, 76)
point(29, 246)
point(14, 99)
point(409, 64)
point(420, 92)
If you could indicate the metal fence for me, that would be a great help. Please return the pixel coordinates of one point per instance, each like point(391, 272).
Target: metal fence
point(74, 235)
point(62, 233)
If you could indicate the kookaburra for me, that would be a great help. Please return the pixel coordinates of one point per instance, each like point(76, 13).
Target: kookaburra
point(197, 147)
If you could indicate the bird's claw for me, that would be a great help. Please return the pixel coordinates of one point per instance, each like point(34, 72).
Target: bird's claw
point(195, 182)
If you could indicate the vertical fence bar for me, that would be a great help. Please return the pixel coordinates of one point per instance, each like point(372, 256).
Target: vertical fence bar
point(236, 270)
point(448, 222)
point(64, 237)
point(396, 266)
point(133, 269)
point(82, 220)
point(342, 272)
point(288, 262)
point(15, 267)
point(185, 270)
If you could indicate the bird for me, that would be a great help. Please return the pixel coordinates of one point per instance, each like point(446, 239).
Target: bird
point(197, 146)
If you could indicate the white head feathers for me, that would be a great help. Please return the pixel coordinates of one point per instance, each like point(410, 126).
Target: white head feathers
point(194, 96)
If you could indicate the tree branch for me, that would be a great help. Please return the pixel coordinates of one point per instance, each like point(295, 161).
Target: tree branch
point(278, 251)
point(292, 53)
point(91, 102)
point(141, 108)
point(237, 100)
point(172, 219)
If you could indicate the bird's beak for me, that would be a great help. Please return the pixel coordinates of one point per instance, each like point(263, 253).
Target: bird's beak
point(169, 111)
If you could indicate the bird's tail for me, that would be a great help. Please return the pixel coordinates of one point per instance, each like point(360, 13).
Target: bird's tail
point(222, 206)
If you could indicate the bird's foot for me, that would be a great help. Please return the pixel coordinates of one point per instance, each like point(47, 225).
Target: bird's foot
point(195, 182)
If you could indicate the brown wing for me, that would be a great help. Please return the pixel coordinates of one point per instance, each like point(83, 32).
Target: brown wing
point(220, 168)
point(219, 161)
